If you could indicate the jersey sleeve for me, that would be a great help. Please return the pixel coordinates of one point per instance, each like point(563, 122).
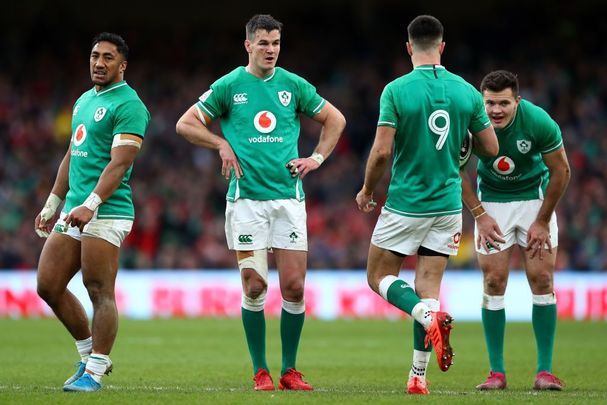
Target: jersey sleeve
point(131, 117)
point(309, 102)
point(479, 120)
point(387, 110)
point(548, 133)
point(213, 101)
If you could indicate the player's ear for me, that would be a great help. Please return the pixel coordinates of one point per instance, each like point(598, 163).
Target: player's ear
point(441, 48)
point(247, 46)
point(122, 66)
point(409, 48)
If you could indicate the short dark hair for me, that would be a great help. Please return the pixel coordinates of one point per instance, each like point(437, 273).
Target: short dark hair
point(499, 80)
point(425, 31)
point(115, 39)
point(262, 22)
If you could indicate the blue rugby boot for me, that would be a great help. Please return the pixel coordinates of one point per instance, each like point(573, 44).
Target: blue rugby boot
point(80, 367)
point(86, 383)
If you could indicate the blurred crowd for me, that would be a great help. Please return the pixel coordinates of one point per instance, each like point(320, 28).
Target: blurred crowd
point(179, 193)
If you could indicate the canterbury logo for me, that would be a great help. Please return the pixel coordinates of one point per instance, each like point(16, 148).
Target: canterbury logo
point(240, 98)
point(245, 238)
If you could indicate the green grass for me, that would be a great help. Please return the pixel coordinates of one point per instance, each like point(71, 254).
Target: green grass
point(360, 361)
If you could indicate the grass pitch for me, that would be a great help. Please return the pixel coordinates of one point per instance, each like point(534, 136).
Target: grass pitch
point(348, 362)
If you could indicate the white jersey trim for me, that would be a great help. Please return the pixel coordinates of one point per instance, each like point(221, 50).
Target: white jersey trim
point(319, 106)
point(267, 79)
point(553, 149)
point(384, 123)
point(108, 90)
point(206, 109)
point(237, 190)
point(246, 68)
point(429, 67)
point(297, 195)
point(423, 214)
point(100, 216)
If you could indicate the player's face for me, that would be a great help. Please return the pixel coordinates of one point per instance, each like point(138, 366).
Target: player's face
point(107, 65)
point(263, 50)
point(500, 106)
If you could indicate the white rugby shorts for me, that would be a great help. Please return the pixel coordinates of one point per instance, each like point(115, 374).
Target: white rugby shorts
point(406, 234)
point(110, 230)
point(514, 219)
point(255, 225)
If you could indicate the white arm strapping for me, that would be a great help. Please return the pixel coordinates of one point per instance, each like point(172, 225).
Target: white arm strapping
point(201, 116)
point(124, 142)
point(92, 202)
point(319, 158)
point(48, 211)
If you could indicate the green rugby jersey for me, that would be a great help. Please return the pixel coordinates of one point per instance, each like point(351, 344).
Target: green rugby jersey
point(260, 120)
point(518, 173)
point(432, 111)
point(96, 118)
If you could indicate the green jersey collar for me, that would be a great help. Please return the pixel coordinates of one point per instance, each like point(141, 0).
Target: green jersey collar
point(109, 88)
point(429, 67)
point(265, 79)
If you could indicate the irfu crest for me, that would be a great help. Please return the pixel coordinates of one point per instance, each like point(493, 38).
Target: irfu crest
point(523, 145)
point(284, 97)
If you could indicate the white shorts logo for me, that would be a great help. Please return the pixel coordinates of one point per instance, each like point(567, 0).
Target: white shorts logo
point(264, 122)
point(503, 165)
point(100, 113)
point(79, 135)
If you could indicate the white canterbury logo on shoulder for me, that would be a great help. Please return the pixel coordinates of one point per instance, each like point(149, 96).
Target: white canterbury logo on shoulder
point(240, 98)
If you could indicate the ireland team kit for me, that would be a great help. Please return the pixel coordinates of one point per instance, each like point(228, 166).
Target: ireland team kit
point(432, 111)
point(260, 120)
point(518, 173)
point(97, 117)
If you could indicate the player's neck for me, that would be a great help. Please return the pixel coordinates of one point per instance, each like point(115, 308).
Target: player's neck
point(100, 87)
point(260, 73)
point(422, 58)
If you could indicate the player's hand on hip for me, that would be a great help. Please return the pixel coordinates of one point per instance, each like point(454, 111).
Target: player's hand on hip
point(301, 167)
point(538, 236)
point(79, 216)
point(489, 233)
point(364, 200)
point(229, 162)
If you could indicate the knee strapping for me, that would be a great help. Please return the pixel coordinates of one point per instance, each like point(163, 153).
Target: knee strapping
point(258, 262)
point(493, 302)
point(545, 299)
point(294, 307)
point(254, 304)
